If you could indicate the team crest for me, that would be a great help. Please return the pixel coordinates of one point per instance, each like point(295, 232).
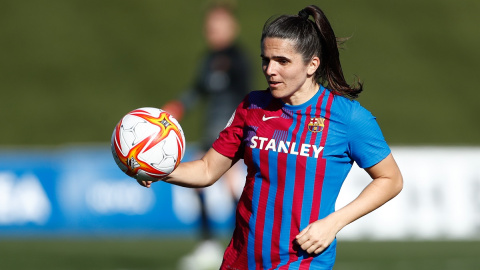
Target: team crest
point(316, 124)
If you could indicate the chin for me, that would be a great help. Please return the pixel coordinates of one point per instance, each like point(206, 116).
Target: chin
point(275, 93)
point(280, 95)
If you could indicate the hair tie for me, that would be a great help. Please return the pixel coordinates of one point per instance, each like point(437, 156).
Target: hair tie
point(303, 14)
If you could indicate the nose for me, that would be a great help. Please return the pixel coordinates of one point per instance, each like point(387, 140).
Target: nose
point(268, 68)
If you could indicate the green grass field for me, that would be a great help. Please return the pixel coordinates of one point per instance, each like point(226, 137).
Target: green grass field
point(163, 254)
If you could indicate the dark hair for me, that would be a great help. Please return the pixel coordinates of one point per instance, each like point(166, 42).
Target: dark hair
point(314, 38)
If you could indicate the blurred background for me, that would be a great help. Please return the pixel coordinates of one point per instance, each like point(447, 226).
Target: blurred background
point(70, 69)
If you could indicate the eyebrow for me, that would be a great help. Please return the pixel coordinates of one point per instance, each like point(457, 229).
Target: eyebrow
point(275, 57)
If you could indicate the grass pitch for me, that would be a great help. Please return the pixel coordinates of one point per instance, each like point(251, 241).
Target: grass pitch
point(163, 254)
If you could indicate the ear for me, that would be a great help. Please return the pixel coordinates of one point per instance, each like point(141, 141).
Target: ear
point(313, 65)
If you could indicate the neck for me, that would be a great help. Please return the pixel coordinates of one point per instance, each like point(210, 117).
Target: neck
point(302, 95)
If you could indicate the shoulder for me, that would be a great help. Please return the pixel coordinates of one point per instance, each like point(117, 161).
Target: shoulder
point(350, 108)
point(361, 121)
point(359, 112)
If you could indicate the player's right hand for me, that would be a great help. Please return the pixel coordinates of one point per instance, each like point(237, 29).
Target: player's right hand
point(146, 184)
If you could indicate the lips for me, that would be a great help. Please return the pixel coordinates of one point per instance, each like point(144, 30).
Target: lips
point(273, 83)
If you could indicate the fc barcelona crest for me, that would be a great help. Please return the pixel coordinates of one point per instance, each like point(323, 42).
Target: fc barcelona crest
point(316, 124)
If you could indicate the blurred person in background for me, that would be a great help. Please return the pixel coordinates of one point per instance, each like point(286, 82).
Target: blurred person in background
point(222, 80)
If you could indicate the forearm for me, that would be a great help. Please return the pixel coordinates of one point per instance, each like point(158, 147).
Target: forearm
point(387, 183)
point(200, 173)
point(377, 193)
point(190, 174)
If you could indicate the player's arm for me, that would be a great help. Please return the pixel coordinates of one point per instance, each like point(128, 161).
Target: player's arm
point(199, 173)
point(387, 183)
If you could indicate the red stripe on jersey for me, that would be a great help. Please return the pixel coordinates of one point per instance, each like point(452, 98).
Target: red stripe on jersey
point(321, 164)
point(318, 113)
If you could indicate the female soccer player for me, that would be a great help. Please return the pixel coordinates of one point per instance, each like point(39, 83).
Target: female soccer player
point(299, 139)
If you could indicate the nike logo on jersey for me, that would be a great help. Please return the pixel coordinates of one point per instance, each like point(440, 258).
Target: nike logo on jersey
point(264, 118)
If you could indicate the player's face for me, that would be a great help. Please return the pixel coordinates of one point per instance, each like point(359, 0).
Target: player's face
point(288, 76)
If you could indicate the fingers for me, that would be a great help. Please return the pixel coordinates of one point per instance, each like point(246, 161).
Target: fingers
point(302, 233)
point(146, 184)
point(313, 248)
point(311, 243)
point(302, 237)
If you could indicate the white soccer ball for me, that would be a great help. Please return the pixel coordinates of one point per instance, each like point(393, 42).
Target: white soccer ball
point(148, 143)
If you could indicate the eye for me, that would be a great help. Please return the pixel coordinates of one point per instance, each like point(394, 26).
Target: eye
point(265, 61)
point(282, 60)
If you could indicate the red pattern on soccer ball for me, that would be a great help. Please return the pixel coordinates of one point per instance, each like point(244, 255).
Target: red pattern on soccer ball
point(131, 160)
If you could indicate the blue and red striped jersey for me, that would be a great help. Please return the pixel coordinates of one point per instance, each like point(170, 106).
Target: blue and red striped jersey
point(297, 159)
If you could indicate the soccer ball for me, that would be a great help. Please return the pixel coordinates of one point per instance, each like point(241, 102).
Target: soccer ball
point(148, 143)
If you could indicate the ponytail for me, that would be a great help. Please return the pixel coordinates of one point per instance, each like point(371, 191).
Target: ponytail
point(314, 38)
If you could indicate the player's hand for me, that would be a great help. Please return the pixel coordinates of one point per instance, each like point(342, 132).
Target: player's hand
point(146, 184)
point(143, 183)
point(317, 236)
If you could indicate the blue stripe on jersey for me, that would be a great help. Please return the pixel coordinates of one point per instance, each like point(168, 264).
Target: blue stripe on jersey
point(257, 187)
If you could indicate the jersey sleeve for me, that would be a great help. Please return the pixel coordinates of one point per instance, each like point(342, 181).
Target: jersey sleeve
point(367, 145)
point(229, 142)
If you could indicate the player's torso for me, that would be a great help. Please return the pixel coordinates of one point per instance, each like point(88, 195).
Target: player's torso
point(296, 158)
point(307, 133)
